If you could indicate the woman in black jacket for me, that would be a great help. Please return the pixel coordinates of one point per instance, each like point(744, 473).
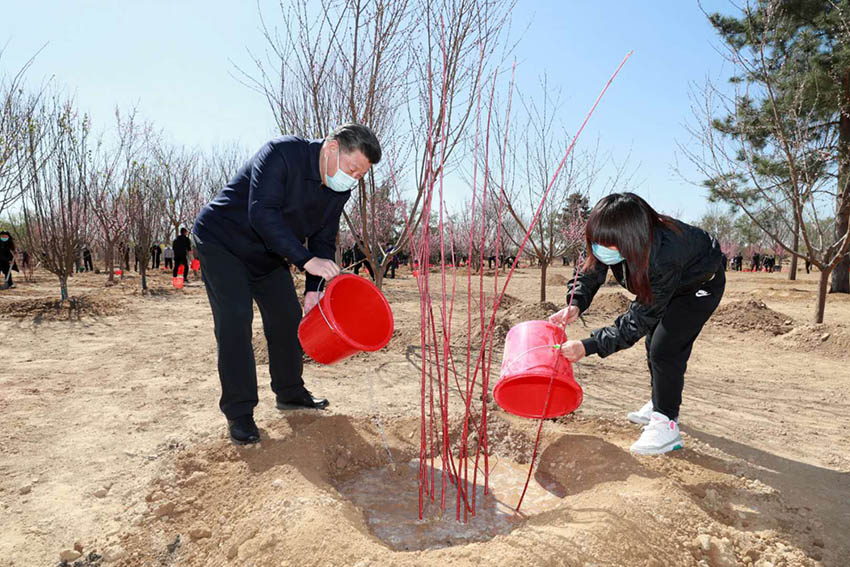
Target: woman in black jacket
point(677, 272)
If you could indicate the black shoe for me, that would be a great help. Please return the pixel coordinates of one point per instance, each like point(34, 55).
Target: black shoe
point(243, 430)
point(302, 400)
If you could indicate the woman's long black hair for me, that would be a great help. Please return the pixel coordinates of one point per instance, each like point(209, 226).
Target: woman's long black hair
point(627, 222)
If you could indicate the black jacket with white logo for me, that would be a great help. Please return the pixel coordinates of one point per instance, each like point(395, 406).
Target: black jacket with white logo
point(678, 264)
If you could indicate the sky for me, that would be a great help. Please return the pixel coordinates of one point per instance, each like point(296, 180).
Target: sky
point(175, 61)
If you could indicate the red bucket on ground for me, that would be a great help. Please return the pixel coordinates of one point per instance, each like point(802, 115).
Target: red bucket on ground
point(352, 316)
point(195, 265)
point(177, 282)
point(530, 362)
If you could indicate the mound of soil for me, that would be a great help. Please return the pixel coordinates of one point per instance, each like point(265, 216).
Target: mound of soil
point(323, 487)
point(751, 315)
point(556, 279)
point(410, 335)
point(829, 340)
point(514, 315)
point(72, 309)
point(609, 304)
point(508, 301)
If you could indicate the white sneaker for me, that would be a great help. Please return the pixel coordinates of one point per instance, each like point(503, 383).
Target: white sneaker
point(659, 436)
point(641, 416)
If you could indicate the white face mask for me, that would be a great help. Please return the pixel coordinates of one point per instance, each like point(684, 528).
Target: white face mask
point(339, 181)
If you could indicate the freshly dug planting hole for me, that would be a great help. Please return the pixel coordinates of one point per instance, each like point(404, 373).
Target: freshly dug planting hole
point(389, 502)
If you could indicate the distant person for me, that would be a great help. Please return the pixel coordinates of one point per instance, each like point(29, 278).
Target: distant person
point(181, 246)
point(392, 264)
point(808, 266)
point(78, 260)
point(125, 254)
point(347, 257)
point(156, 252)
point(88, 265)
point(491, 261)
point(292, 191)
point(739, 262)
point(677, 272)
point(755, 265)
point(26, 265)
point(168, 257)
point(361, 261)
point(7, 258)
point(137, 257)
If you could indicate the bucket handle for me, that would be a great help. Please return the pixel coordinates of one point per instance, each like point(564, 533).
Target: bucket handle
point(345, 270)
point(322, 313)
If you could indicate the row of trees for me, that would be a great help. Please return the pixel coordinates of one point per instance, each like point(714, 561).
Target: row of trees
point(416, 71)
point(777, 148)
point(422, 74)
point(66, 184)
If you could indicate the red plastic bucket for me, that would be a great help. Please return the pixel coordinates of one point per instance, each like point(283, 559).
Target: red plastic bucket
point(196, 265)
point(177, 281)
point(530, 363)
point(118, 271)
point(351, 317)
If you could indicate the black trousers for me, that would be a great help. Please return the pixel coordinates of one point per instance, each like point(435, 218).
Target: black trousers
point(669, 344)
point(182, 261)
point(390, 269)
point(155, 261)
point(6, 270)
point(169, 262)
point(232, 290)
point(87, 264)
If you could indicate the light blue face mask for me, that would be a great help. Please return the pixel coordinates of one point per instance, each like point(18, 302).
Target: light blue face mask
point(606, 255)
point(339, 181)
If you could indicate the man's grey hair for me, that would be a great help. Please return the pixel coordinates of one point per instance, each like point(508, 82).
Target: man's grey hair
point(353, 136)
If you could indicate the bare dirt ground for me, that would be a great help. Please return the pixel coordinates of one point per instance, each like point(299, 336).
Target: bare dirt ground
point(112, 443)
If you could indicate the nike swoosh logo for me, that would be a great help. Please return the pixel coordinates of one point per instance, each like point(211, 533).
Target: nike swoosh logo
point(702, 293)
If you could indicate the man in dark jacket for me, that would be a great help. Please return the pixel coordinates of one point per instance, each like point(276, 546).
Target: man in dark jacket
point(7, 259)
point(181, 246)
point(156, 252)
point(293, 190)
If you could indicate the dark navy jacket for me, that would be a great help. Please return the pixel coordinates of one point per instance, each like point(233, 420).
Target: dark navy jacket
point(272, 206)
point(678, 264)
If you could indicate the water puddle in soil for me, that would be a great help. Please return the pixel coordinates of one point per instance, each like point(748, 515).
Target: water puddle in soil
point(390, 503)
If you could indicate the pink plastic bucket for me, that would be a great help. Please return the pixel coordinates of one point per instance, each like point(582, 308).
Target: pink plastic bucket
point(529, 364)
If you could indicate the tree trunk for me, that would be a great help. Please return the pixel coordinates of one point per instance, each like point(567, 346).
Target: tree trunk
point(143, 268)
point(379, 274)
point(110, 260)
point(792, 271)
point(821, 305)
point(841, 273)
point(63, 287)
point(544, 266)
